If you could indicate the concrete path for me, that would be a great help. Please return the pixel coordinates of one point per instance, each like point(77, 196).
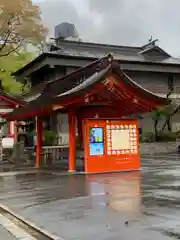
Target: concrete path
point(5, 235)
point(10, 231)
point(97, 206)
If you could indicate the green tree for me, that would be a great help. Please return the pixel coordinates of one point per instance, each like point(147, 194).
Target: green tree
point(161, 113)
point(8, 65)
point(157, 115)
point(172, 110)
point(20, 23)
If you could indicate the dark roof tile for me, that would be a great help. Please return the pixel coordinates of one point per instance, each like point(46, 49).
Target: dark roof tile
point(94, 51)
point(92, 73)
point(12, 98)
point(133, 57)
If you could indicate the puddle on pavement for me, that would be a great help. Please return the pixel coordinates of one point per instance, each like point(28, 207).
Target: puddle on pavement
point(174, 172)
point(131, 194)
point(172, 194)
point(125, 194)
point(173, 184)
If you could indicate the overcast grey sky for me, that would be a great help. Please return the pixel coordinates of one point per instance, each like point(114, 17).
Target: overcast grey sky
point(122, 22)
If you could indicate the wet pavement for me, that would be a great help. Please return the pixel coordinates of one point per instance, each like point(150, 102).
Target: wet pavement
point(97, 206)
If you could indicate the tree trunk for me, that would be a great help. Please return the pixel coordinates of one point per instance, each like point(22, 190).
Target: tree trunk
point(168, 124)
point(156, 129)
point(168, 120)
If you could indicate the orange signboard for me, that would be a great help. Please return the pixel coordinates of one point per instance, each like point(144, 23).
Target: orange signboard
point(111, 145)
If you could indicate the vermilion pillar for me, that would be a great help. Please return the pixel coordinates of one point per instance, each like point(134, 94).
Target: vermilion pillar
point(72, 141)
point(11, 128)
point(80, 132)
point(16, 128)
point(15, 131)
point(39, 132)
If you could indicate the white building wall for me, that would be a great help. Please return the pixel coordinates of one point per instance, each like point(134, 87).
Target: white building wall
point(63, 129)
point(147, 125)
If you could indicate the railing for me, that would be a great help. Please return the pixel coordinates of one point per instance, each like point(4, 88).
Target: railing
point(18, 155)
point(54, 154)
point(57, 156)
point(6, 154)
point(51, 156)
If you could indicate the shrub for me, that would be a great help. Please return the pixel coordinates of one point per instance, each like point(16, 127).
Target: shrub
point(147, 137)
point(49, 138)
point(167, 137)
point(162, 137)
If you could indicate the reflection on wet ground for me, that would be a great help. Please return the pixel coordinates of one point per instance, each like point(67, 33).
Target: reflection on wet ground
point(97, 206)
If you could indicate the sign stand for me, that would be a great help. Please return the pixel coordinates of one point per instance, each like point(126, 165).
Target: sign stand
point(111, 145)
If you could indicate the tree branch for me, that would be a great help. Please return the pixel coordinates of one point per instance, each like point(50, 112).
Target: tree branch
point(4, 24)
point(169, 93)
point(13, 50)
point(167, 122)
point(5, 40)
point(9, 37)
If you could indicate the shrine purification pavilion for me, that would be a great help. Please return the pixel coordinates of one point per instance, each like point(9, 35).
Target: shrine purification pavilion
point(97, 97)
point(8, 103)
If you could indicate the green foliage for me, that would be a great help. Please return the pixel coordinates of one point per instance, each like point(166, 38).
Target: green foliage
point(147, 137)
point(167, 136)
point(49, 138)
point(161, 112)
point(162, 136)
point(20, 23)
point(10, 64)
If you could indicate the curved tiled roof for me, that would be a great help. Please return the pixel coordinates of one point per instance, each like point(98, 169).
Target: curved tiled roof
point(11, 98)
point(63, 89)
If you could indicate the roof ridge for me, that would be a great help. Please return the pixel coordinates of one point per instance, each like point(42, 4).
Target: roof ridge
point(56, 95)
point(109, 57)
point(85, 72)
point(99, 44)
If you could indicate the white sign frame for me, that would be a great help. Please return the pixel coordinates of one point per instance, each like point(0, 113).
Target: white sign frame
point(8, 142)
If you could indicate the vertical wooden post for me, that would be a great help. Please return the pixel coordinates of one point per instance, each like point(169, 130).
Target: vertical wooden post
point(15, 131)
point(72, 141)
point(11, 128)
point(16, 128)
point(39, 132)
point(80, 132)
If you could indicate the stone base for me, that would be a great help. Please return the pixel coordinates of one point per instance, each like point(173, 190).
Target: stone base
point(71, 171)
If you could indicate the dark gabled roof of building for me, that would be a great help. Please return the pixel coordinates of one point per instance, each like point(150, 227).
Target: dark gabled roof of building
point(59, 92)
point(93, 51)
point(34, 92)
point(73, 79)
point(156, 48)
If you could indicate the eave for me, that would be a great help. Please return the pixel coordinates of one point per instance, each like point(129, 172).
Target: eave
point(46, 58)
point(146, 50)
point(97, 75)
point(16, 101)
